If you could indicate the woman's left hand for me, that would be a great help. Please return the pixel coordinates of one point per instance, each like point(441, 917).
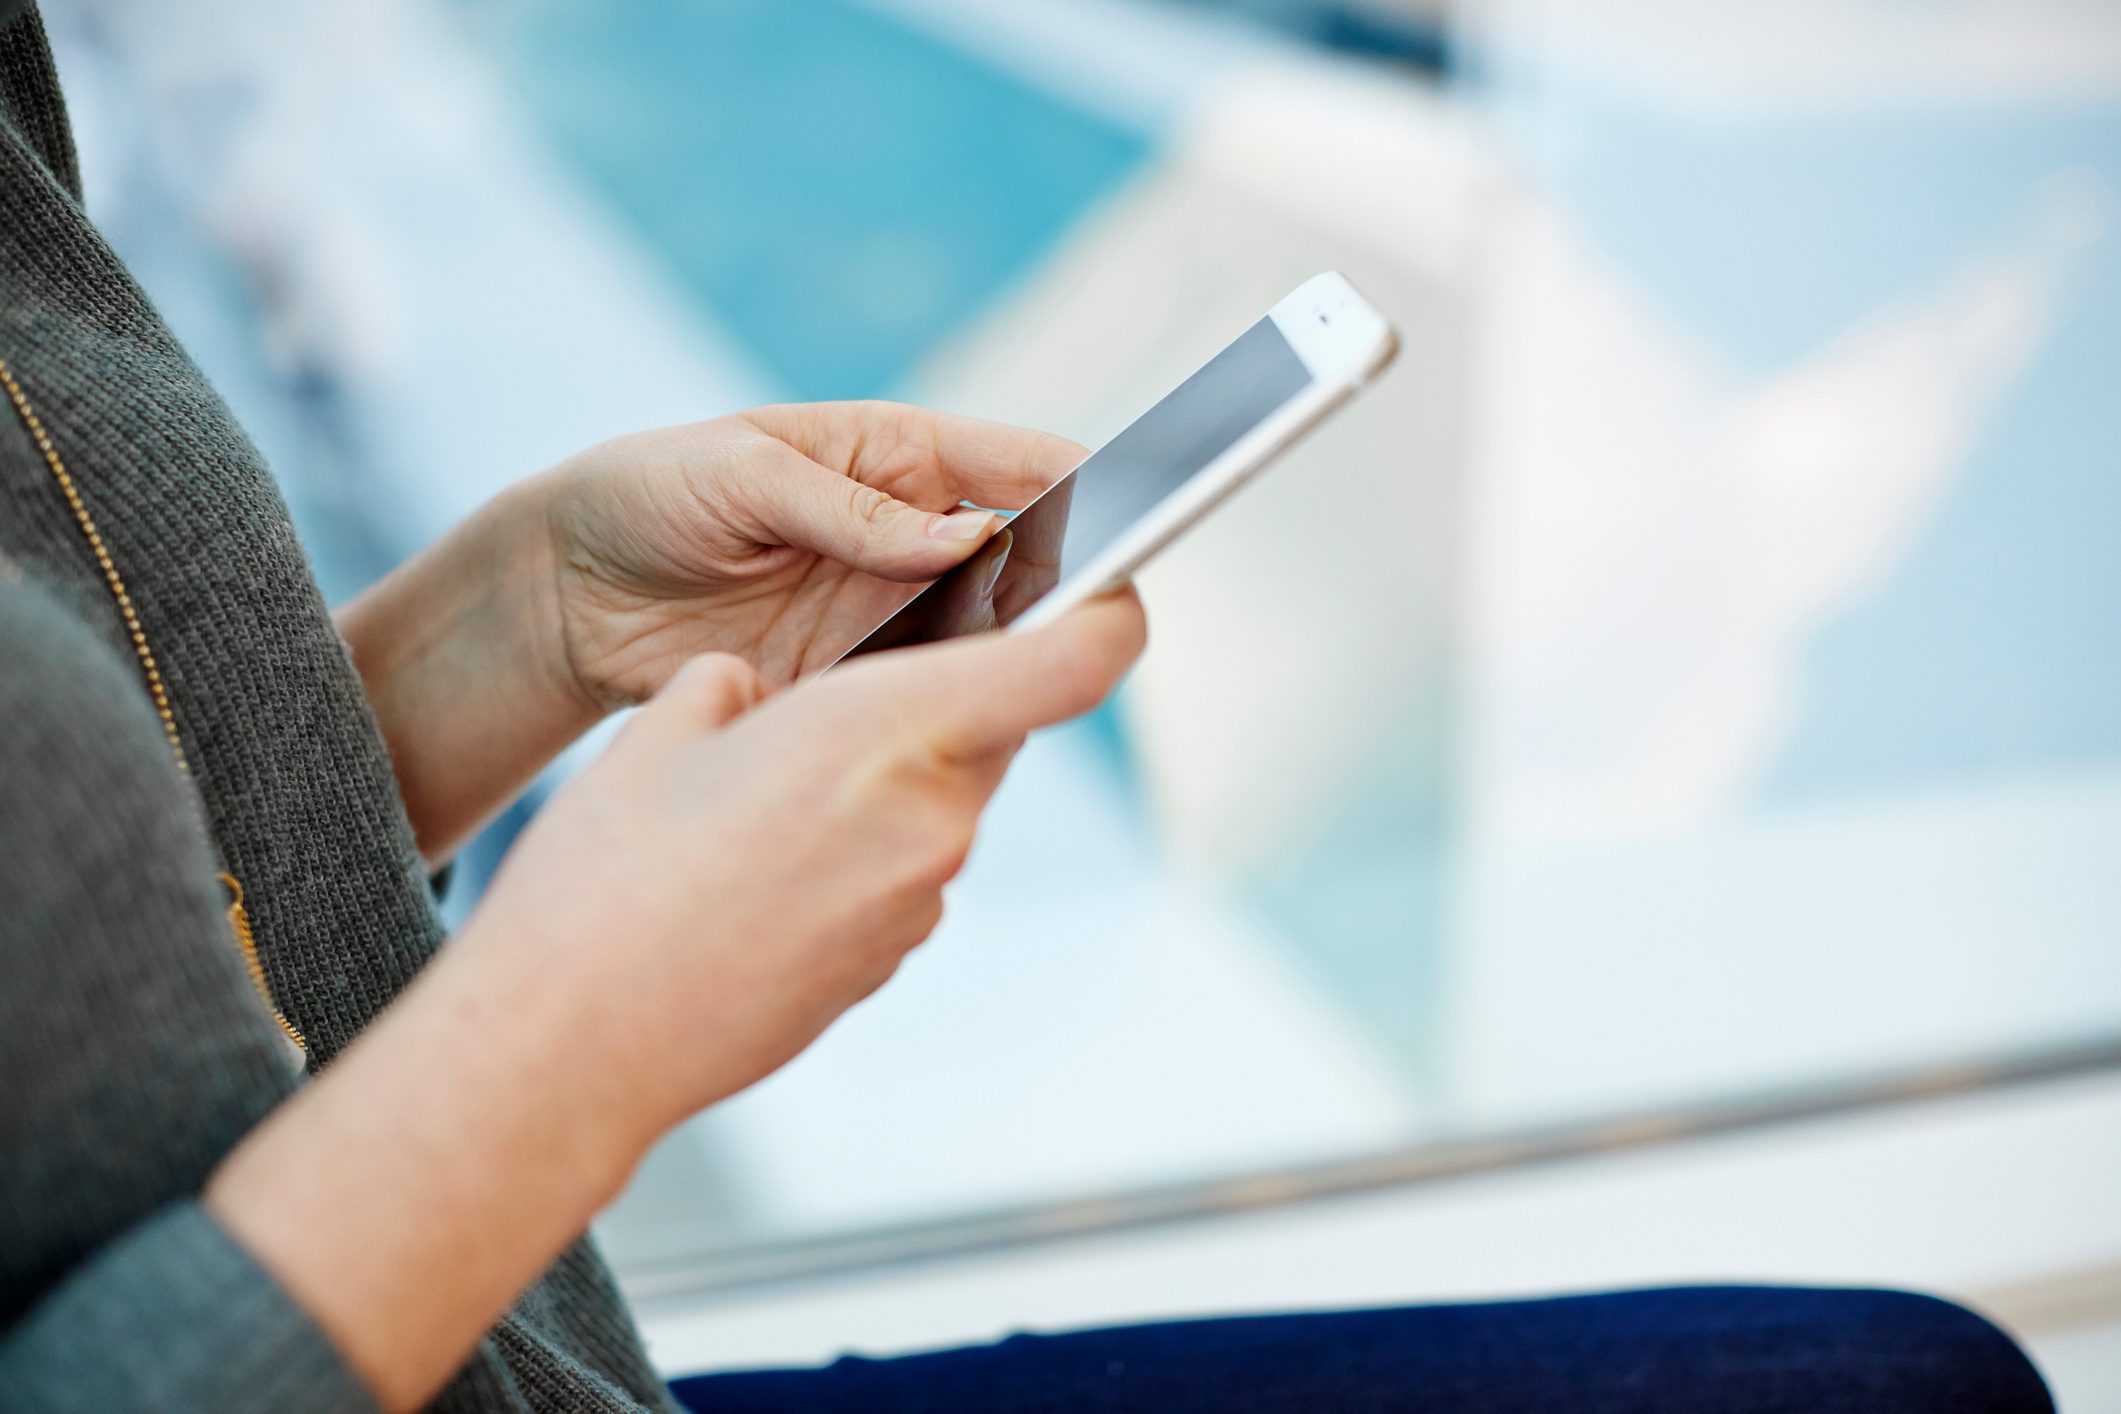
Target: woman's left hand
point(782, 535)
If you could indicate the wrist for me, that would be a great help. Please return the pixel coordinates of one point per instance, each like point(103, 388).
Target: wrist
point(462, 653)
point(531, 540)
point(544, 1048)
point(543, 981)
point(408, 1195)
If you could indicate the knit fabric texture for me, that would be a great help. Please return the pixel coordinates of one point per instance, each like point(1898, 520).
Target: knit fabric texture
point(134, 1052)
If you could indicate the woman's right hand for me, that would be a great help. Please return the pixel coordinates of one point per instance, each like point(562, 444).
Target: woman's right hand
point(684, 917)
point(724, 882)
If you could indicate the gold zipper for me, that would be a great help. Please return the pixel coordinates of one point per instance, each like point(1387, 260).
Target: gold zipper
point(238, 916)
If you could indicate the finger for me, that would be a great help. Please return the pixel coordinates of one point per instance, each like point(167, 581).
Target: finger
point(705, 695)
point(1040, 535)
point(798, 502)
point(989, 463)
point(984, 771)
point(963, 602)
point(975, 696)
point(995, 464)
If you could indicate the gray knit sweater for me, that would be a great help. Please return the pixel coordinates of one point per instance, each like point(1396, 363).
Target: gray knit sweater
point(133, 1050)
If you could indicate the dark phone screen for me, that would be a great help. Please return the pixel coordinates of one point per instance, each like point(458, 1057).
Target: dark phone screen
point(1086, 510)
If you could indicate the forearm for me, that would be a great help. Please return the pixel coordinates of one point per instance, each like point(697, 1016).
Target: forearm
point(459, 650)
point(411, 1193)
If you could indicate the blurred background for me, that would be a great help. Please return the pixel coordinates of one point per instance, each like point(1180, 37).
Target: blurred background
point(1637, 798)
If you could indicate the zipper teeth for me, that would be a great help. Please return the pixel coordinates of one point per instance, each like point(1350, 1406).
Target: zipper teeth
point(111, 577)
point(238, 916)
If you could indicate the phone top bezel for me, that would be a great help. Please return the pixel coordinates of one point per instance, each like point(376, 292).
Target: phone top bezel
point(1344, 342)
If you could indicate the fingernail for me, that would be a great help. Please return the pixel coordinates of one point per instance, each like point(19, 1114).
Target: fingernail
point(992, 575)
point(962, 525)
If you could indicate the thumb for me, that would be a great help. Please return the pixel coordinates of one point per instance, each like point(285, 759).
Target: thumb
point(815, 508)
point(705, 695)
point(985, 694)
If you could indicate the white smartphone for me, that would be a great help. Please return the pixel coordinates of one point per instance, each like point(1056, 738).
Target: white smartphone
point(1095, 527)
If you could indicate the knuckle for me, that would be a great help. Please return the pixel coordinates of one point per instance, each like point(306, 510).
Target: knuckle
point(954, 840)
point(715, 686)
point(1080, 671)
point(939, 845)
point(925, 920)
point(910, 926)
point(1051, 456)
point(870, 505)
point(946, 857)
point(872, 981)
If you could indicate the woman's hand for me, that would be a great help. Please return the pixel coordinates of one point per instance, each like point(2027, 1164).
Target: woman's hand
point(781, 535)
point(723, 881)
point(683, 918)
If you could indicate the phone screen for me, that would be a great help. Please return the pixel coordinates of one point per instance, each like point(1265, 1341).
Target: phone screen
point(1090, 507)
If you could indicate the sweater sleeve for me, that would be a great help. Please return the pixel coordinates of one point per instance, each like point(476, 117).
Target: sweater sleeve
point(173, 1318)
point(133, 1056)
